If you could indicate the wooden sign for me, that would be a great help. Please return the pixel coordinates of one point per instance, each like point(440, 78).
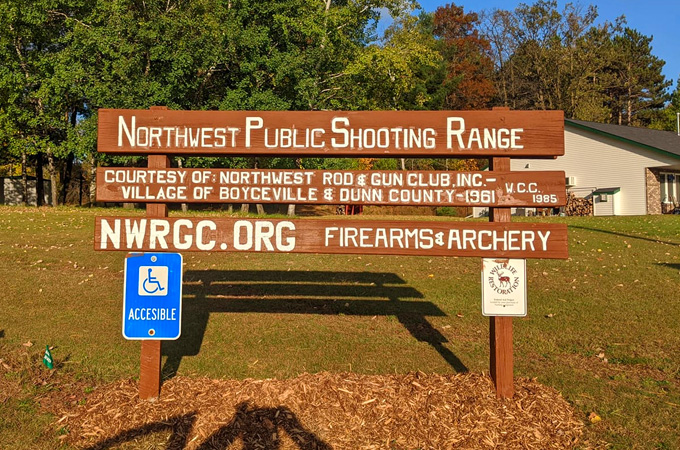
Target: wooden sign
point(333, 133)
point(433, 188)
point(425, 238)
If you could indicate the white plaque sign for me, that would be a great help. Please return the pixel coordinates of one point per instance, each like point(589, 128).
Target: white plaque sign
point(504, 287)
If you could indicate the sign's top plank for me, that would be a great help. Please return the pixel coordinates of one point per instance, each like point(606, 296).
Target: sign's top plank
point(453, 134)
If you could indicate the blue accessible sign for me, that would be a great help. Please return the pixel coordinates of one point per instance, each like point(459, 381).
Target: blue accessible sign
point(152, 299)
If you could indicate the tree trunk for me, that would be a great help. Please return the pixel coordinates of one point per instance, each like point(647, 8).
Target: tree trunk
point(67, 177)
point(629, 107)
point(245, 207)
point(53, 178)
point(69, 161)
point(24, 180)
point(93, 182)
point(260, 209)
point(291, 210)
point(80, 186)
point(39, 184)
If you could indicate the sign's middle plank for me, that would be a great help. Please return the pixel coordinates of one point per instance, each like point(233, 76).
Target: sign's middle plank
point(391, 134)
point(377, 237)
point(415, 188)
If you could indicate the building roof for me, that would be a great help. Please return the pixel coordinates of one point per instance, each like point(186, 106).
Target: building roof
point(663, 141)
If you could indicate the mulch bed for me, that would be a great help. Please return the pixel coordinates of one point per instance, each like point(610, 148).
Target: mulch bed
point(326, 411)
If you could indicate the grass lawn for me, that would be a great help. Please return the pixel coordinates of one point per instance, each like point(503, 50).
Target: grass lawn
point(603, 326)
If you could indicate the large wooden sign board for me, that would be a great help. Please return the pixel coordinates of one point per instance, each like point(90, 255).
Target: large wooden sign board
point(452, 134)
point(376, 237)
point(423, 188)
point(500, 134)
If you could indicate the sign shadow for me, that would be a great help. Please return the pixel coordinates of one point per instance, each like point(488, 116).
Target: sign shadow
point(300, 292)
point(255, 427)
point(260, 428)
point(180, 426)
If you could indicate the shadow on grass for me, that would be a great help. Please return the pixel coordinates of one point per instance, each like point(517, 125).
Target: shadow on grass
point(180, 426)
point(257, 428)
point(300, 292)
point(631, 236)
point(673, 266)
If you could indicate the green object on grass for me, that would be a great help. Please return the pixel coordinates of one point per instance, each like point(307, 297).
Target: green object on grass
point(47, 359)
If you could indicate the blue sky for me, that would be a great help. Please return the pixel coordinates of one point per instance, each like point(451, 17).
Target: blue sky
point(657, 18)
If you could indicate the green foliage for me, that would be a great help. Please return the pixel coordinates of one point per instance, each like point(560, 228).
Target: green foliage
point(551, 59)
point(35, 109)
point(392, 76)
point(62, 60)
point(639, 88)
point(668, 117)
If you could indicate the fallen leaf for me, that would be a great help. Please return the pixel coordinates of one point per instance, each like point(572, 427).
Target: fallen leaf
point(28, 344)
point(594, 418)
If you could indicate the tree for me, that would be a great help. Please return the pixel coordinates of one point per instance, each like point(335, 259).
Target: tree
point(227, 55)
point(550, 59)
point(391, 76)
point(469, 68)
point(37, 112)
point(667, 119)
point(536, 49)
point(639, 86)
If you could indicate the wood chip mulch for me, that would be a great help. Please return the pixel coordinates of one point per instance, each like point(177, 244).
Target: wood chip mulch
point(327, 411)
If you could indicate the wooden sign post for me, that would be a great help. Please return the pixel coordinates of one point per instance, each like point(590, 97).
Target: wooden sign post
point(150, 366)
point(500, 328)
point(500, 134)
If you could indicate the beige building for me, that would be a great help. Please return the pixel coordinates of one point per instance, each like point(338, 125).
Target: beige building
point(624, 170)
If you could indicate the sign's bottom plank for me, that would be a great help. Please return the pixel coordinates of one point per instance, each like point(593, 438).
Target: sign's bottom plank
point(377, 237)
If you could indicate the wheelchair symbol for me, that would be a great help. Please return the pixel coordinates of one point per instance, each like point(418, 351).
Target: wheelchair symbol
point(150, 282)
point(153, 280)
